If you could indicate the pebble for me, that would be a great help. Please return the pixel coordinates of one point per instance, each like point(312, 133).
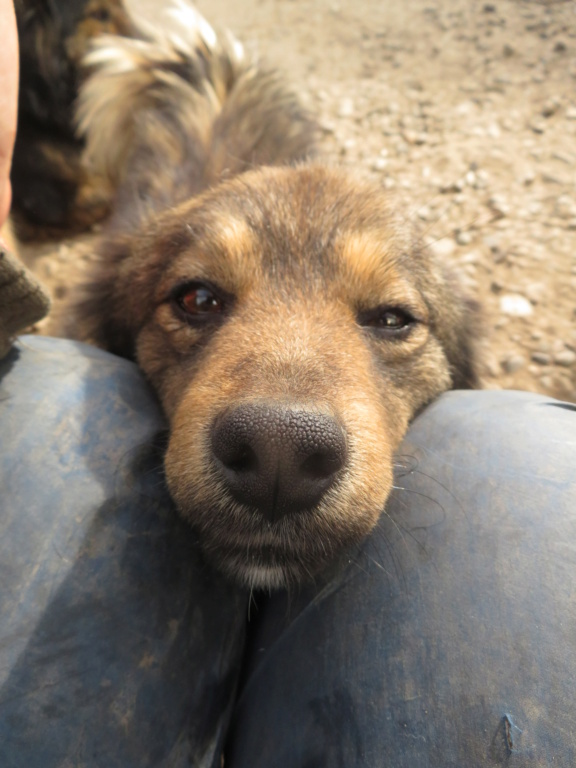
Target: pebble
point(415, 137)
point(564, 157)
point(481, 181)
point(499, 205)
point(472, 257)
point(513, 363)
point(550, 107)
point(534, 292)
point(453, 186)
point(566, 358)
point(494, 131)
point(492, 242)
point(528, 177)
point(492, 367)
point(571, 113)
point(515, 305)
point(425, 213)
point(379, 164)
point(543, 346)
point(551, 178)
point(565, 207)
point(541, 358)
point(463, 238)
point(509, 124)
point(443, 247)
point(347, 146)
point(49, 269)
point(346, 108)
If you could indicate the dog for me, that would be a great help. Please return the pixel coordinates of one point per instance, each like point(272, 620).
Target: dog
point(53, 193)
point(289, 318)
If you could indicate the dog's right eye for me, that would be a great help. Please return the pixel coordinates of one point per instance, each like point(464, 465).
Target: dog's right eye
point(197, 301)
point(390, 322)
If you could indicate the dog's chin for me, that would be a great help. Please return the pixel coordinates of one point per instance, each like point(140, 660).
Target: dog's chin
point(296, 553)
point(261, 570)
point(259, 575)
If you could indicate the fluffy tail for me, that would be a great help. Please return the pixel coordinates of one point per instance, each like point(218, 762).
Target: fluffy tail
point(167, 114)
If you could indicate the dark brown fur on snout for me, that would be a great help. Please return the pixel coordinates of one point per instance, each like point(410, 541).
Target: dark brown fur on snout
point(290, 289)
point(291, 323)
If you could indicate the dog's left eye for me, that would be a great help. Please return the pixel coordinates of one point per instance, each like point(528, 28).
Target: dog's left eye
point(197, 300)
point(393, 322)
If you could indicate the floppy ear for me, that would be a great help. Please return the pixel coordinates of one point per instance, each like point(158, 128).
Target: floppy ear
point(456, 320)
point(98, 315)
point(462, 353)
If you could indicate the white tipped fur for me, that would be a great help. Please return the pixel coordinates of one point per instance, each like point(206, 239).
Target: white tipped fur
point(132, 76)
point(186, 101)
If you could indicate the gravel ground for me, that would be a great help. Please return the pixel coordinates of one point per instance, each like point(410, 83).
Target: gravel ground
point(467, 112)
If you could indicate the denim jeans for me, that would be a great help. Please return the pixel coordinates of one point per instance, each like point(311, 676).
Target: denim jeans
point(448, 638)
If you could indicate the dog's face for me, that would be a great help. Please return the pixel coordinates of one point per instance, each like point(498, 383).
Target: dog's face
point(292, 328)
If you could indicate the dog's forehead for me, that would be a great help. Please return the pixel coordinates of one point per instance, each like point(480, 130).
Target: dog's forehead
point(308, 225)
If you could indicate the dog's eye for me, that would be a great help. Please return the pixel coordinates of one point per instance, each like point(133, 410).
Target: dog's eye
point(393, 322)
point(197, 300)
point(392, 319)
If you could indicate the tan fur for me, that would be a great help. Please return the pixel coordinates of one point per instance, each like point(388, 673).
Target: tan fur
point(308, 260)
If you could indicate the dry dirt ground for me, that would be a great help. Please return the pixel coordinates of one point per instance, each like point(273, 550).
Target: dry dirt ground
point(466, 111)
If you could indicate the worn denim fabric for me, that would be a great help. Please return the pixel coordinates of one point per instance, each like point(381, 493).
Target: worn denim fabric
point(119, 647)
point(448, 638)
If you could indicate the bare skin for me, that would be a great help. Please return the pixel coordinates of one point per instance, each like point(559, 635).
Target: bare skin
point(8, 101)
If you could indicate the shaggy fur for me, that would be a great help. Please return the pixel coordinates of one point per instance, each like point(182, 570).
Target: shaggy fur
point(53, 192)
point(244, 290)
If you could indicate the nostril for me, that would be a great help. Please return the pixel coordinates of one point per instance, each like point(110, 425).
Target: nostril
point(243, 459)
point(322, 465)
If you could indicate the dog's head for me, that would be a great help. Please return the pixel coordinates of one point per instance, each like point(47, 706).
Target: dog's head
point(292, 326)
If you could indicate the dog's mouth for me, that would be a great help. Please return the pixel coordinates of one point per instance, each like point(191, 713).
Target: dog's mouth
point(265, 554)
point(262, 566)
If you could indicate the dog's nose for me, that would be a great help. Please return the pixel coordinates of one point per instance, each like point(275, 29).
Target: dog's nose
point(277, 459)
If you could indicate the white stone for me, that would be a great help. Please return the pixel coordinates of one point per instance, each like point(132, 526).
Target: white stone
point(346, 108)
point(515, 305)
point(444, 247)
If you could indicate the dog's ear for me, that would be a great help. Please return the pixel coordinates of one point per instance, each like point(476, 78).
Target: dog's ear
point(99, 315)
point(463, 350)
